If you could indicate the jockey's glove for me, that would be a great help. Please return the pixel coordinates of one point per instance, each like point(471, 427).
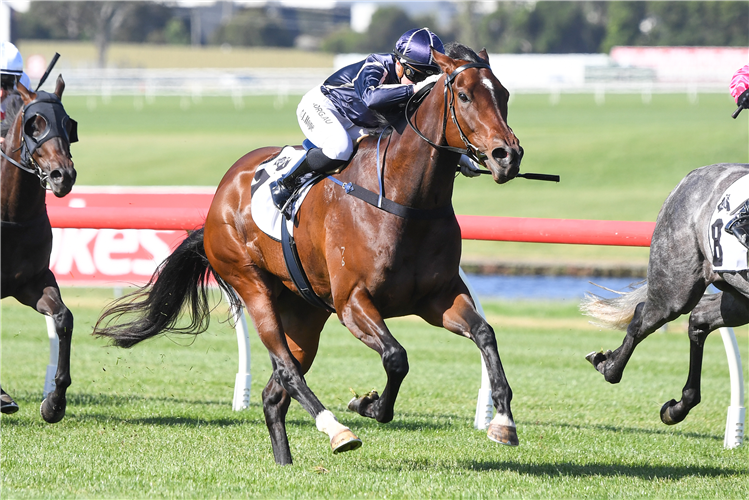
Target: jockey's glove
point(743, 99)
point(468, 167)
point(427, 81)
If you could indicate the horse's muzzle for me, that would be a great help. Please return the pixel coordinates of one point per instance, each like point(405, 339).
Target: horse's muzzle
point(61, 180)
point(506, 163)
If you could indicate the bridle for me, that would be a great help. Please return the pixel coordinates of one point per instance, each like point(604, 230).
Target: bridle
point(55, 128)
point(470, 150)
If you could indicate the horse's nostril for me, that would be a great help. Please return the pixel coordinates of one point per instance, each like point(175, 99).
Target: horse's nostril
point(56, 175)
point(499, 153)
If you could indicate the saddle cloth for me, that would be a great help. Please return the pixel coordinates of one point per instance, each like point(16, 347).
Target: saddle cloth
point(265, 214)
point(728, 254)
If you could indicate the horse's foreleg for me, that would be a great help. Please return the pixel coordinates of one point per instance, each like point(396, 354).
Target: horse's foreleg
point(7, 405)
point(363, 319)
point(49, 303)
point(713, 311)
point(462, 318)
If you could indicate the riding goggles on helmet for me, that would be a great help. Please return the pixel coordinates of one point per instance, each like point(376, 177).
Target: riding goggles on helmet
point(8, 81)
point(414, 71)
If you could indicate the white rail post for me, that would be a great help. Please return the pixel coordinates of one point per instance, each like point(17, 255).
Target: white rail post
point(243, 379)
point(734, 436)
point(484, 403)
point(54, 354)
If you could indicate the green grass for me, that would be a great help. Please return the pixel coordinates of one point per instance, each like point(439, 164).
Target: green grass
point(618, 161)
point(156, 420)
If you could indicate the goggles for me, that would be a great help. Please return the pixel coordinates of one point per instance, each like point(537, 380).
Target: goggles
point(414, 71)
point(8, 82)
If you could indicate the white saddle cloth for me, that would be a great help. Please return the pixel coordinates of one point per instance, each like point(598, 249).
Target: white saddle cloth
point(728, 254)
point(265, 214)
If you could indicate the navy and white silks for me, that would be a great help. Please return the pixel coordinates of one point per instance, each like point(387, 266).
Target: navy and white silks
point(356, 100)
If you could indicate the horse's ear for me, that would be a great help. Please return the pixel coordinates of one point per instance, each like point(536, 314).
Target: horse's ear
point(26, 94)
point(59, 86)
point(446, 63)
point(484, 55)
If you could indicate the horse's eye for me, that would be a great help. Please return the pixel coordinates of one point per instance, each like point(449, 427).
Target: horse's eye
point(462, 97)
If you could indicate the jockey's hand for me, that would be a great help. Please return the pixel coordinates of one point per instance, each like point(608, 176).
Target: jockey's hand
point(743, 100)
point(428, 80)
point(468, 167)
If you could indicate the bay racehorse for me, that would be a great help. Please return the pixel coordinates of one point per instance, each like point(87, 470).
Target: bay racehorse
point(362, 262)
point(36, 157)
point(682, 265)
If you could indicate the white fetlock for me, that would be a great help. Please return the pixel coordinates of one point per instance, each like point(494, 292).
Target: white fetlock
point(341, 437)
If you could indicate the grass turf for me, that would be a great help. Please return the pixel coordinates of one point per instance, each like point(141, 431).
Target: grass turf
point(156, 420)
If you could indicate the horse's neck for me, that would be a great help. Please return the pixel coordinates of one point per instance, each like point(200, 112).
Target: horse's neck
point(417, 174)
point(22, 197)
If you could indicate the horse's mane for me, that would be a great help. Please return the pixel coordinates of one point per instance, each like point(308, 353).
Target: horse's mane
point(14, 103)
point(459, 51)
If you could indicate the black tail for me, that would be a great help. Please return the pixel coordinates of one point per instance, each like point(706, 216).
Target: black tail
point(181, 279)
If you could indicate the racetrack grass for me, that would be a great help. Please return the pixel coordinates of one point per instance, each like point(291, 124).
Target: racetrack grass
point(156, 420)
point(618, 160)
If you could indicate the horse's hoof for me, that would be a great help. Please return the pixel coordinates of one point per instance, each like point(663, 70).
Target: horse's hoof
point(344, 441)
point(666, 416)
point(51, 413)
point(597, 359)
point(359, 404)
point(503, 434)
point(7, 405)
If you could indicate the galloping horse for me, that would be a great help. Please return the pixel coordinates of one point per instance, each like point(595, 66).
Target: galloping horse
point(682, 265)
point(36, 156)
point(363, 262)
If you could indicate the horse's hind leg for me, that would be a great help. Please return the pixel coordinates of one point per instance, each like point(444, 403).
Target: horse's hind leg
point(44, 296)
point(712, 312)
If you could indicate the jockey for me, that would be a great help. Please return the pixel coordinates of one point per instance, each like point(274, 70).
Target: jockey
point(11, 72)
point(358, 100)
point(739, 88)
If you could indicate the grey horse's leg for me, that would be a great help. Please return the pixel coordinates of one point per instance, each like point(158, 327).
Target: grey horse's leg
point(667, 299)
point(713, 311)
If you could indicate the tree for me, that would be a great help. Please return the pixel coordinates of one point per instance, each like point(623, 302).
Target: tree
point(74, 21)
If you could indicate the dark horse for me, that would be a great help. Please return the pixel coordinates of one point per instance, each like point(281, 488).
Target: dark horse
point(363, 262)
point(679, 271)
point(36, 156)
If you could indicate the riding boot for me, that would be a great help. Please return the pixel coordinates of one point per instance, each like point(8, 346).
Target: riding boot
point(282, 189)
point(739, 225)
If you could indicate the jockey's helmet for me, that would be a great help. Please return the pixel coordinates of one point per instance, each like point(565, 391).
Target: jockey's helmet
point(413, 50)
point(11, 64)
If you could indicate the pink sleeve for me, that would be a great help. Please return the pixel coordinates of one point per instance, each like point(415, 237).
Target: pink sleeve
point(740, 82)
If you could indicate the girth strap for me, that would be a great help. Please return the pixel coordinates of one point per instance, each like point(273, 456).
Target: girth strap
point(296, 271)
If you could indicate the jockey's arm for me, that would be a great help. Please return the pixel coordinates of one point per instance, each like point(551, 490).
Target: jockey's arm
point(377, 95)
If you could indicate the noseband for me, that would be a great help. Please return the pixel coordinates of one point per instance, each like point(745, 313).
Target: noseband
point(49, 107)
point(470, 150)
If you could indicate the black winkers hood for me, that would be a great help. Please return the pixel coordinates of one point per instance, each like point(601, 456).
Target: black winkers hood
point(49, 107)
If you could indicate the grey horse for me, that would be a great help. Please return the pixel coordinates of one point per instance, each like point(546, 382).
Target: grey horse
point(679, 271)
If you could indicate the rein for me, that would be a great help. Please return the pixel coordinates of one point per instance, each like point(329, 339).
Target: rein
point(470, 150)
point(36, 170)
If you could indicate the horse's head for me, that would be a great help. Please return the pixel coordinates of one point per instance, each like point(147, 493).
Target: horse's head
point(46, 132)
point(478, 103)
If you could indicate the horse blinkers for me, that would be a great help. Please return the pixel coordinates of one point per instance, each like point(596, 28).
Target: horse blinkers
point(57, 124)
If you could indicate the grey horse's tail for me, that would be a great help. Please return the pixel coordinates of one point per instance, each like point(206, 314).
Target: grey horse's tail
point(616, 312)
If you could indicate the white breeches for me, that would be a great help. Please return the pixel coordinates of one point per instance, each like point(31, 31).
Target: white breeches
point(322, 124)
